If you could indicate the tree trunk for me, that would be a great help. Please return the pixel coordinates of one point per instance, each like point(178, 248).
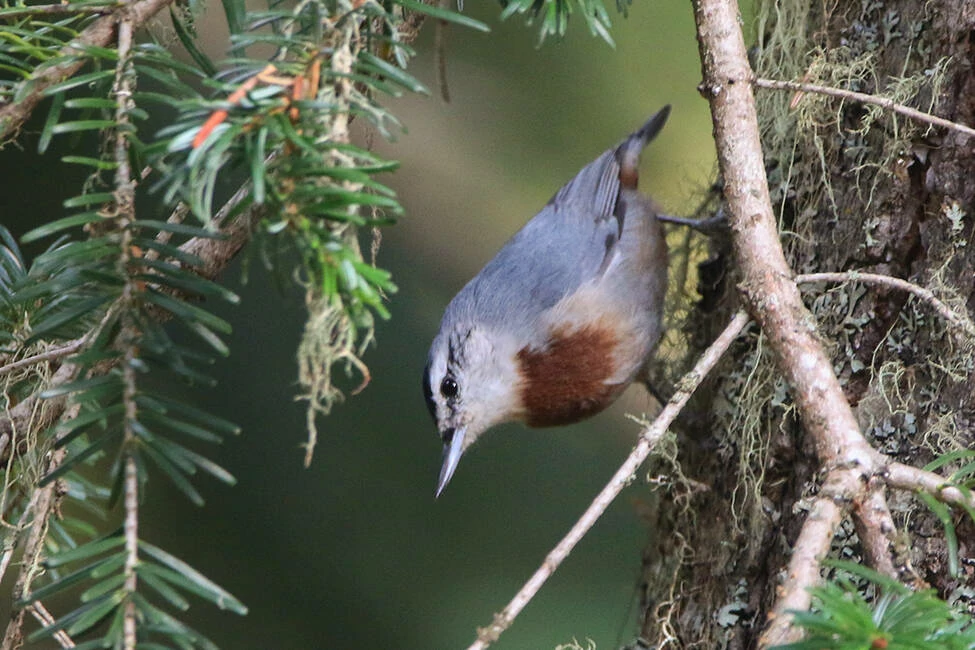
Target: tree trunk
point(857, 188)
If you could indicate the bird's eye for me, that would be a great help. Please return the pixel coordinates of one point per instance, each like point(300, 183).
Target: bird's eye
point(448, 387)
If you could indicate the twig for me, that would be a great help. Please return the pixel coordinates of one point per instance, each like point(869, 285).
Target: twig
point(648, 440)
point(164, 236)
point(809, 549)
point(45, 618)
point(842, 486)
point(875, 525)
point(864, 98)
point(57, 9)
point(961, 322)
point(23, 415)
point(99, 33)
point(905, 477)
point(125, 205)
point(20, 415)
point(49, 355)
point(131, 531)
point(122, 90)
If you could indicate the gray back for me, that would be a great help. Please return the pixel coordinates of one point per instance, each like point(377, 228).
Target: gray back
point(561, 247)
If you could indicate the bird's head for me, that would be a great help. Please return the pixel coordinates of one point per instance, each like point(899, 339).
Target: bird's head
point(471, 383)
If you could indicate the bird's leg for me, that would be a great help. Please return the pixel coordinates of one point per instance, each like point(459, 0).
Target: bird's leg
point(712, 225)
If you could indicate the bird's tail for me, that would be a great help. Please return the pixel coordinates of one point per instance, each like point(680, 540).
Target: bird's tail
point(597, 186)
point(628, 153)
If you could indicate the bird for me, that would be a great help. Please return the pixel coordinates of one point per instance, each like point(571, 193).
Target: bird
point(564, 318)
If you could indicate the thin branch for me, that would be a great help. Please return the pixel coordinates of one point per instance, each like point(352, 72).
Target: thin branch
point(648, 440)
point(122, 90)
point(49, 355)
point(864, 98)
point(45, 618)
point(23, 415)
point(57, 9)
point(905, 477)
point(131, 532)
point(842, 487)
point(129, 339)
point(962, 322)
point(178, 215)
point(99, 33)
point(810, 548)
point(875, 526)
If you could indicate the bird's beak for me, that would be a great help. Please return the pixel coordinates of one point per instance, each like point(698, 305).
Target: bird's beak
point(453, 448)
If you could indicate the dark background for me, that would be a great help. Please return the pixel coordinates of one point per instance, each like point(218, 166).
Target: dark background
point(354, 552)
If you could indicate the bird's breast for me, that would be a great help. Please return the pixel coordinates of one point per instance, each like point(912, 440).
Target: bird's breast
point(568, 379)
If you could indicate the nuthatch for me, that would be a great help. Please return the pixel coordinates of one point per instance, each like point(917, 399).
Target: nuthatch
point(564, 317)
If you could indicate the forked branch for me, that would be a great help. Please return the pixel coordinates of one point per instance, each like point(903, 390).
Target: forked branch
point(774, 301)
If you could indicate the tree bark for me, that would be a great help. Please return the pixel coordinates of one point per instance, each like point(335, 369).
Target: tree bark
point(856, 188)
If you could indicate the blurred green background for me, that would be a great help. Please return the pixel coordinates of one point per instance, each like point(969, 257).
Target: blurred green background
point(354, 552)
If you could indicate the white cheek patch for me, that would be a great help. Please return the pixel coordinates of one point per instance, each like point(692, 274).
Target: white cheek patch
point(491, 382)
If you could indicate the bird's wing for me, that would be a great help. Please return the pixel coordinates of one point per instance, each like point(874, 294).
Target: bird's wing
point(571, 240)
point(593, 195)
